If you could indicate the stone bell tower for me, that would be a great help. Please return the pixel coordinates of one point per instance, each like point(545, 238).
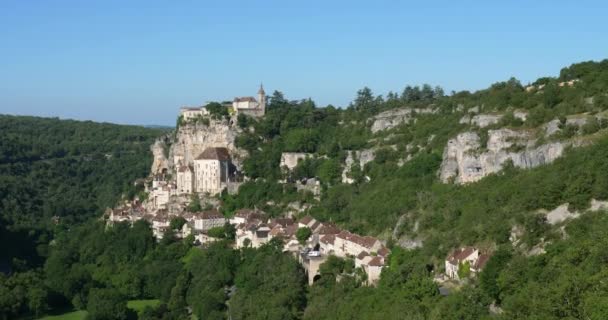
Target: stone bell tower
point(262, 99)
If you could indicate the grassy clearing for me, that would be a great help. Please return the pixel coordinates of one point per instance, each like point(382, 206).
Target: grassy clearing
point(74, 315)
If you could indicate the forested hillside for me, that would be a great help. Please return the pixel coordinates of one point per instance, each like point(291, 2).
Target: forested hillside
point(54, 173)
point(538, 269)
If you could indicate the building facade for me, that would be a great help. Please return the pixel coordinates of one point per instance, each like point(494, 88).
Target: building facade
point(185, 179)
point(212, 170)
point(250, 106)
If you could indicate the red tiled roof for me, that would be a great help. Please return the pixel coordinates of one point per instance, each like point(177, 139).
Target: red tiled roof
point(328, 238)
point(284, 222)
point(376, 262)
point(384, 252)
point(306, 220)
point(362, 255)
point(210, 214)
point(184, 168)
point(329, 228)
point(460, 254)
point(481, 261)
point(214, 154)
point(367, 242)
point(244, 99)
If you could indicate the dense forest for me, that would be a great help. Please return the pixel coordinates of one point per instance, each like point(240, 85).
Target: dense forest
point(73, 170)
point(57, 173)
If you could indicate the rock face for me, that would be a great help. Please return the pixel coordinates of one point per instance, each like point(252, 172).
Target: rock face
point(290, 160)
point(561, 214)
point(392, 118)
point(192, 138)
point(464, 161)
point(363, 157)
point(160, 162)
point(481, 120)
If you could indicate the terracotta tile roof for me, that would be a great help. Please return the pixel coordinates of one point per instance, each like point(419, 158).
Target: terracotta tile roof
point(384, 252)
point(210, 214)
point(214, 154)
point(328, 228)
point(245, 99)
point(481, 261)
point(376, 262)
point(460, 254)
point(328, 238)
point(362, 255)
point(291, 230)
point(306, 220)
point(283, 222)
point(184, 168)
point(366, 242)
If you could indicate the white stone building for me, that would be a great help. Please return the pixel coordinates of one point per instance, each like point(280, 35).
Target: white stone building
point(185, 179)
point(192, 113)
point(466, 255)
point(207, 220)
point(250, 106)
point(212, 170)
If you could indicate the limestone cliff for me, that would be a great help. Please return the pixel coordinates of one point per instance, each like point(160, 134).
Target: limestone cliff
point(190, 139)
point(362, 156)
point(465, 161)
point(392, 118)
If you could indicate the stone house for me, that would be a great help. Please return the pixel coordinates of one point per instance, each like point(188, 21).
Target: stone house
point(192, 113)
point(249, 105)
point(206, 220)
point(245, 215)
point(470, 255)
point(254, 232)
point(212, 170)
point(350, 244)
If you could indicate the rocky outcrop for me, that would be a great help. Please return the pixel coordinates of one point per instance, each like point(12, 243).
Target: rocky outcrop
point(191, 139)
point(361, 156)
point(290, 160)
point(160, 162)
point(561, 214)
point(465, 161)
point(392, 118)
point(481, 120)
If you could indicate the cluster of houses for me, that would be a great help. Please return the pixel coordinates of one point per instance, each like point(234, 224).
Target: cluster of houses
point(254, 229)
point(326, 240)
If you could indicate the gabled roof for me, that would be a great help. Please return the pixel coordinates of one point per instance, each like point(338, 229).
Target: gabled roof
point(183, 168)
point(460, 254)
point(362, 255)
point(306, 220)
point(214, 154)
point(366, 242)
point(376, 262)
point(328, 228)
point(328, 238)
point(384, 251)
point(481, 261)
point(245, 99)
point(210, 214)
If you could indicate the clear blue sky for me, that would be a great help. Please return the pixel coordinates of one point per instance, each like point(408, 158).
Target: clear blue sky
point(139, 61)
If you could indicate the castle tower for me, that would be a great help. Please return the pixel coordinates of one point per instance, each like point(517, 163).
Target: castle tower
point(262, 98)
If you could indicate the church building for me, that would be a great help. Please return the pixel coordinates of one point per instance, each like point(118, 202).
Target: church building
point(250, 106)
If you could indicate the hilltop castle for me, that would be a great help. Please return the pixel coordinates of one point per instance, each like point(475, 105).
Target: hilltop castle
point(249, 105)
